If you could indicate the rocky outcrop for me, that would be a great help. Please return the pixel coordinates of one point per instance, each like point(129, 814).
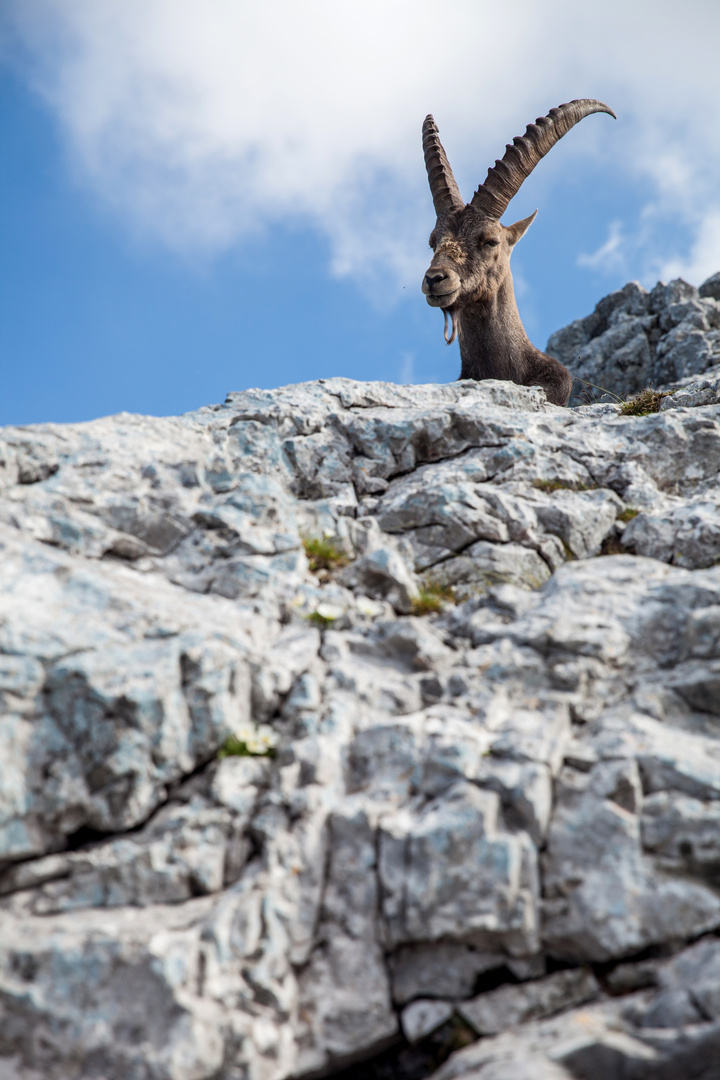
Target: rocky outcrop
point(669, 337)
point(355, 719)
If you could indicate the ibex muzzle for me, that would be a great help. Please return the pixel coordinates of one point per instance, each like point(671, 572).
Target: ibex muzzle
point(469, 277)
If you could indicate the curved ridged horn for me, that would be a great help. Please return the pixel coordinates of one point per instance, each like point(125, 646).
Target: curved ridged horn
point(445, 192)
point(505, 177)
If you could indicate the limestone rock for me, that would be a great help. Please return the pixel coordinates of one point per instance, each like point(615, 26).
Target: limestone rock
point(633, 339)
point(420, 815)
point(711, 287)
point(660, 1031)
point(511, 1005)
point(422, 1017)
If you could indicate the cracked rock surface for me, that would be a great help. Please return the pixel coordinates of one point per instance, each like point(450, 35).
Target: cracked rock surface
point(493, 818)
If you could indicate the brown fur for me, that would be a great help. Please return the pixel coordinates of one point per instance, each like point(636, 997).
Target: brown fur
point(470, 277)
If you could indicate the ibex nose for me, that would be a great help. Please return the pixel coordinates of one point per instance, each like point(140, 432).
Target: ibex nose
point(434, 277)
point(439, 285)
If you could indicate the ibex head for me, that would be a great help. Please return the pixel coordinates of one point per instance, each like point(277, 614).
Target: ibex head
point(472, 249)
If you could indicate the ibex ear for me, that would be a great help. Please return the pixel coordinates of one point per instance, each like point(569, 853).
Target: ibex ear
point(514, 232)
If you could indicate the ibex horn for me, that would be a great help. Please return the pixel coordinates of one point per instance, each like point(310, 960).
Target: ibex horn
point(445, 192)
point(505, 177)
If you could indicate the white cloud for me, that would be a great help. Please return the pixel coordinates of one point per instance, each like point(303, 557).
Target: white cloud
point(610, 256)
point(703, 258)
point(199, 123)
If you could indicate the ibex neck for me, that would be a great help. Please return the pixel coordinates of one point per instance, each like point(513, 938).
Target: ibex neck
point(492, 338)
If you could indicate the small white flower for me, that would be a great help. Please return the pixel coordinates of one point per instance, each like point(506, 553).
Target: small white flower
point(258, 739)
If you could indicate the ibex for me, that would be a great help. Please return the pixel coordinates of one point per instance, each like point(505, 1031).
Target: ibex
point(469, 276)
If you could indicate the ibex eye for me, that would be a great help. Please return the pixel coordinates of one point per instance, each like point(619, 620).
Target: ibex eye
point(491, 243)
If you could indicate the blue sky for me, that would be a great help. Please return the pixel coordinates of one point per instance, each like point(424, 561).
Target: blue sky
point(192, 202)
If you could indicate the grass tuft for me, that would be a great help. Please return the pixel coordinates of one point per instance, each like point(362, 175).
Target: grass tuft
point(324, 555)
point(644, 403)
point(628, 514)
point(591, 399)
point(432, 598)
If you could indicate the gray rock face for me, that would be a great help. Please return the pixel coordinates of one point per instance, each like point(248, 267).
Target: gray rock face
point(711, 287)
point(480, 755)
point(670, 1030)
point(509, 1006)
point(665, 338)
